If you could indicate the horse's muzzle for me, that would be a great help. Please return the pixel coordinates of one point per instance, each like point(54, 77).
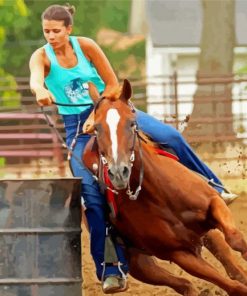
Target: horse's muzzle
point(119, 175)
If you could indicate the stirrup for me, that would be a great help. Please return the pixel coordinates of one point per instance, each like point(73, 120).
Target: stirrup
point(114, 284)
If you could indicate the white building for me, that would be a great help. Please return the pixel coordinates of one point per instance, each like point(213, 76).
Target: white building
point(173, 40)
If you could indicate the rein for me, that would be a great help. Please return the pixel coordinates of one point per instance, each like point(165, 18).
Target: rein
point(64, 145)
point(72, 105)
point(53, 127)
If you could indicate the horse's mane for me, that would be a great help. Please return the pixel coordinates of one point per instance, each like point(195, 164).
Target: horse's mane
point(150, 144)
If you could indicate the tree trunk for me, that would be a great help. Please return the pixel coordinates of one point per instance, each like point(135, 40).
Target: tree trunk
point(137, 18)
point(213, 99)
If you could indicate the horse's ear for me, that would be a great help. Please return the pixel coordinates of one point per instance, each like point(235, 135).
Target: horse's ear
point(88, 126)
point(93, 92)
point(126, 90)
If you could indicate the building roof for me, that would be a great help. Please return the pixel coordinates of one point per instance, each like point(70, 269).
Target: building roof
point(178, 23)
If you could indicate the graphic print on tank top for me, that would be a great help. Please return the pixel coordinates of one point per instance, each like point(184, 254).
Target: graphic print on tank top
point(76, 89)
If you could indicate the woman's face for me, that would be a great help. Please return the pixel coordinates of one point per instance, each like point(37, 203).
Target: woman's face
point(55, 32)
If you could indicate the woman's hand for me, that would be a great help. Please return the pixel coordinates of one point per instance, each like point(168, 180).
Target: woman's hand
point(44, 97)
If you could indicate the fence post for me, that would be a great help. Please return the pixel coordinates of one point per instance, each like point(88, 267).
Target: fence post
point(175, 96)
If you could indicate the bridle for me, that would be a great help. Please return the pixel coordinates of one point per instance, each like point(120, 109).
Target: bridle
point(103, 162)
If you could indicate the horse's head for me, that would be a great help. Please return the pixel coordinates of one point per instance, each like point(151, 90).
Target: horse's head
point(115, 125)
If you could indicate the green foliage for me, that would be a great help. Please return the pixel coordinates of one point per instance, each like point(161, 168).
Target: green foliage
point(2, 162)
point(8, 95)
point(13, 19)
point(242, 70)
point(88, 17)
point(91, 15)
point(116, 15)
point(119, 58)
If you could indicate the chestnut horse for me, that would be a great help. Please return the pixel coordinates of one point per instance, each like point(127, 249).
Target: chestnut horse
point(164, 209)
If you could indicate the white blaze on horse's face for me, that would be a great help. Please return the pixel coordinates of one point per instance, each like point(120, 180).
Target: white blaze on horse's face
point(112, 119)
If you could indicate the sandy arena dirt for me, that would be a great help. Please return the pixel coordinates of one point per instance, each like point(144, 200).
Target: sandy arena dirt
point(91, 287)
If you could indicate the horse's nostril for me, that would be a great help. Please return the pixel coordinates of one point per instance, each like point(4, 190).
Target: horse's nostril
point(110, 174)
point(122, 173)
point(125, 172)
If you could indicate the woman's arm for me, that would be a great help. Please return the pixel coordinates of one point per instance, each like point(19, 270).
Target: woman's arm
point(37, 78)
point(95, 54)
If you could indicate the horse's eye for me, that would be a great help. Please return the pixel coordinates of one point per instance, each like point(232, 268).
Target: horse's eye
point(97, 128)
point(133, 124)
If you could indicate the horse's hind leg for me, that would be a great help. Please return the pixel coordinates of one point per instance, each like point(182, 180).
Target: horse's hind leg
point(146, 269)
point(198, 267)
point(215, 242)
point(233, 236)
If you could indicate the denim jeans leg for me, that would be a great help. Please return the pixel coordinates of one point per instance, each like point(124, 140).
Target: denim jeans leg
point(168, 135)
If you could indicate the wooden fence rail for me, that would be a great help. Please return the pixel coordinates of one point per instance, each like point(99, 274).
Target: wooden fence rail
point(25, 135)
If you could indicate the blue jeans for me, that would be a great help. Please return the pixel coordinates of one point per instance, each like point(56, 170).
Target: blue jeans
point(95, 202)
point(168, 136)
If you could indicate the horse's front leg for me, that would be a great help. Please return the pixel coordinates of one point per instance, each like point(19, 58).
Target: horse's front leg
point(215, 242)
point(197, 266)
point(223, 216)
point(145, 268)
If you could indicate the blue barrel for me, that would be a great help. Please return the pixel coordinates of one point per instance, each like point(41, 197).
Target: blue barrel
point(40, 237)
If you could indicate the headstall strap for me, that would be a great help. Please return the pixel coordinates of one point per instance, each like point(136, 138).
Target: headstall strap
point(134, 196)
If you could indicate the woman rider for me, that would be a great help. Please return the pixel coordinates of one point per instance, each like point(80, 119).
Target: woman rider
point(61, 71)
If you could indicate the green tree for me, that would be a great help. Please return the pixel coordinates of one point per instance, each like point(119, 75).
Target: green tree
point(13, 19)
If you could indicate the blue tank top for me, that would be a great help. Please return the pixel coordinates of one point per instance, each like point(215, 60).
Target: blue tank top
point(70, 85)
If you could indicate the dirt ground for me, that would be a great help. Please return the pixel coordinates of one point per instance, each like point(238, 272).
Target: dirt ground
point(91, 287)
